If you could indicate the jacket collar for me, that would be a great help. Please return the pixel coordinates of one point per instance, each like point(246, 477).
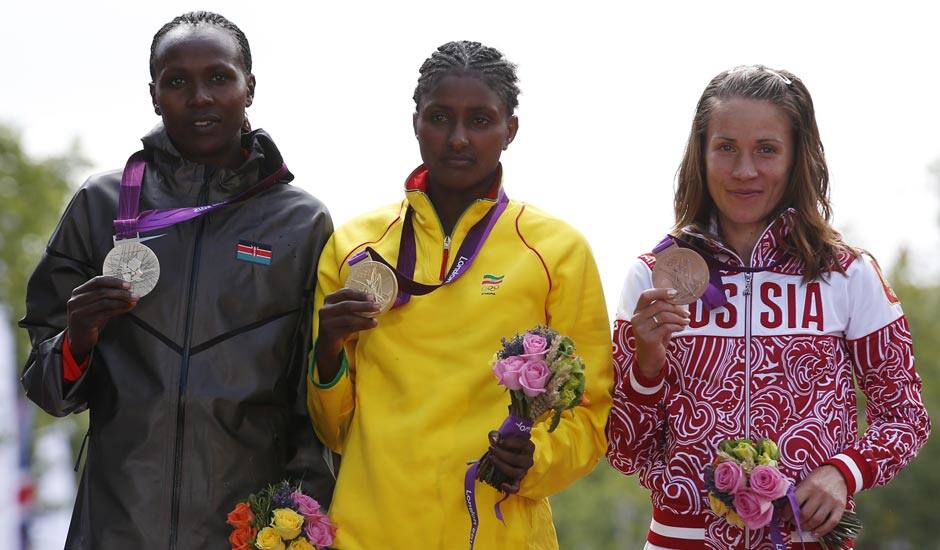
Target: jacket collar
point(416, 195)
point(261, 158)
point(768, 250)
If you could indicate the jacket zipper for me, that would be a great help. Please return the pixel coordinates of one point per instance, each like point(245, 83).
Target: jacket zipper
point(445, 257)
point(447, 239)
point(184, 365)
point(748, 278)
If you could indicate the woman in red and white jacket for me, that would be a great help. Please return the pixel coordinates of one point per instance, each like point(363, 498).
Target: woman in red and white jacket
point(807, 317)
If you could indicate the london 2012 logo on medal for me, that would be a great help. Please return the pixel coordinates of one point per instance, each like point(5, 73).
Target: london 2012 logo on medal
point(133, 262)
point(375, 279)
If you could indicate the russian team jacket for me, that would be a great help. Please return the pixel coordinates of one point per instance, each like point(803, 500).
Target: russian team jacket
point(780, 360)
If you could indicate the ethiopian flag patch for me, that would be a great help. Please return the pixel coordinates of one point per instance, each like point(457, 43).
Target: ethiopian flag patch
point(257, 253)
point(490, 284)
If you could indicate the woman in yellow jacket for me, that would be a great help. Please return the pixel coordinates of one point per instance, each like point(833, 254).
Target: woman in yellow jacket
point(408, 397)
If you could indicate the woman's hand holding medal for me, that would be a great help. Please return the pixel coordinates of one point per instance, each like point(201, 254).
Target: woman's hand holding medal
point(344, 313)
point(680, 277)
point(92, 304)
point(654, 321)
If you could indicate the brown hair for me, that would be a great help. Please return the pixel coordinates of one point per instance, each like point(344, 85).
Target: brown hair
point(812, 239)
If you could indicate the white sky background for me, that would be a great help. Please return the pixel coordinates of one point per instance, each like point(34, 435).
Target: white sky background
point(608, 95)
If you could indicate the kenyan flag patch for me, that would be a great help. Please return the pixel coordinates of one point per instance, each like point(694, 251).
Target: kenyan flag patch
point(256, 253)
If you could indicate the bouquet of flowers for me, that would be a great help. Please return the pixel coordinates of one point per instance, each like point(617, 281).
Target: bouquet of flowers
point(543, 373)
point(746, 488)
point(280, 517)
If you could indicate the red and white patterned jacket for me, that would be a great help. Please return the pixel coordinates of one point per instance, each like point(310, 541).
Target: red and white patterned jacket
point(780, 360)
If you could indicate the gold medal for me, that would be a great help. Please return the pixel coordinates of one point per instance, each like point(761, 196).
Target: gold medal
point(133, 262)
point(376, 279)
point(682, 269)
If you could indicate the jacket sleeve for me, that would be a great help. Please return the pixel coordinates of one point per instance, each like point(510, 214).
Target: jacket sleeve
point(307, 458)
point(879, 341)
point(636, 427)
point(66, 263)
point(576, 308)
point(330, 402)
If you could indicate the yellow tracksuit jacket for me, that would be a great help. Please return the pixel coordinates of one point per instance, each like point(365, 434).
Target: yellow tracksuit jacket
point(416, 397)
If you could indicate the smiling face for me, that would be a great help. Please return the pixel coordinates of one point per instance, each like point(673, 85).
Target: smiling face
point(462, 127)
point(749, 153)
point(202, 89)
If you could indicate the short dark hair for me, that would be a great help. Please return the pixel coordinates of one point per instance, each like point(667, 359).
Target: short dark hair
point(473, 59)
point(196, 18)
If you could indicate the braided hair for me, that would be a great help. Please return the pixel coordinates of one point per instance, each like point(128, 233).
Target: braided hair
point(471, 59)
point(196, 18)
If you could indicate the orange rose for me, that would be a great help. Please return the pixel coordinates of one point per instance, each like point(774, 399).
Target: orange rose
point(241, 538)
point(241, 516)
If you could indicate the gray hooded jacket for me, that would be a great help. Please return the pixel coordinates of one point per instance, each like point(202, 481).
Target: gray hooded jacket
point(197, 395)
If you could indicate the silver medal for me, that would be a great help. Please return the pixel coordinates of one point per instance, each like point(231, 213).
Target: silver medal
point(135, 263)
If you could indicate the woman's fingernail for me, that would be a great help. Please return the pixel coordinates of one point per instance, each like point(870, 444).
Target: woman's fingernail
point(135, 296)
point(672, 293)
point(125, 285)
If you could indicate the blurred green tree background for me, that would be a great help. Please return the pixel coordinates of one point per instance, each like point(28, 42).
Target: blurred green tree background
point(604, 511)
point(32, 197)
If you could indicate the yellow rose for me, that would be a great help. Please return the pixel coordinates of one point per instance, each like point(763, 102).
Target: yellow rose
point(717, 505)
point(268, 539)
point(768, 448)
point(301, 544)
point(744, 451)
point(287, 522)
point(734, 519)
point(764, 460)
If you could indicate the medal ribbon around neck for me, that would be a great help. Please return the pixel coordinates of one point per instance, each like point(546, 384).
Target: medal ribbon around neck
point(130, 223)
point(407, 253)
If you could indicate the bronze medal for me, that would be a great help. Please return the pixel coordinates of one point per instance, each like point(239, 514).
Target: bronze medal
point(682, 269)
point(134, 263)
point(376, 279)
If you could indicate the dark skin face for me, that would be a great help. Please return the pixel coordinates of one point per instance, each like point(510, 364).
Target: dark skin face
point(462, 127)
point(201, 89)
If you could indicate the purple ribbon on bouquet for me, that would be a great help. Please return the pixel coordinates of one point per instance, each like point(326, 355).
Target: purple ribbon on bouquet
point(776, 537)
point(129, 223)
point(512, 426)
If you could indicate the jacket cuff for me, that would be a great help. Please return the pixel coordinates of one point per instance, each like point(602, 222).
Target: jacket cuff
point(643, 390)
point(854, 468)
point(315, 375)
point(72, 370)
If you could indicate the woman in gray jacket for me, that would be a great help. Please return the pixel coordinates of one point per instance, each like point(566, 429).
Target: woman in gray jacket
point(196, 390)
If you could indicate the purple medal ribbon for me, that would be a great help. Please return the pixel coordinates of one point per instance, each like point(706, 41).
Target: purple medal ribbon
point(513, 426)
point(775, 536)
point(407, 256)
point(714, 296)
point(129, 223)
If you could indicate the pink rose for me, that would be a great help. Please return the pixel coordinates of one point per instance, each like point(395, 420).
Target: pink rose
point(319, 530)
point(508, 371)
point(534, 376)
point(534, 343)
point(729, 477)
point(767, 482)
point(756, 512)
point(306, 506)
